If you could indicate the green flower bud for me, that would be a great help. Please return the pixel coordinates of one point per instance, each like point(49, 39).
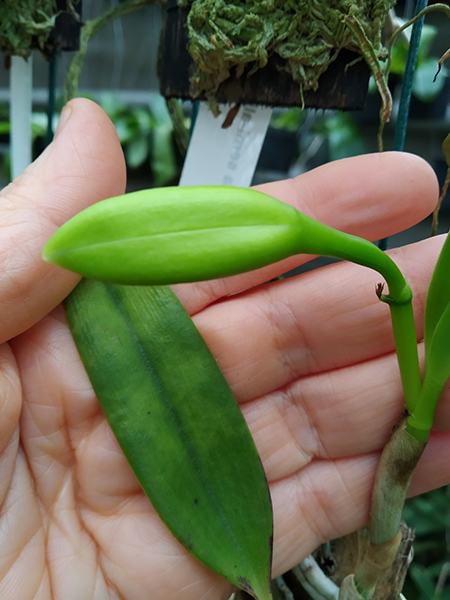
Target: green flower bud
point(186, 234)
point(172, 235)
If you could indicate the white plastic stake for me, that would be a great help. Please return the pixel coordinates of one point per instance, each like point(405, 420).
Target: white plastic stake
point(218, 156)
point(21, 85)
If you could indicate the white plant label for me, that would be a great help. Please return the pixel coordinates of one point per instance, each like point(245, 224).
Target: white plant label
point(21, 87)
point(218, 156)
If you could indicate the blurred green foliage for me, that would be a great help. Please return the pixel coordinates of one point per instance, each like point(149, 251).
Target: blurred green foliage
point(145, 133)
point(426, 87)
point(429, 573)
point(337, 130)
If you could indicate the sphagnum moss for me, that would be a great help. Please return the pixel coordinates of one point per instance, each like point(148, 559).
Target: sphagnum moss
point(306, 34)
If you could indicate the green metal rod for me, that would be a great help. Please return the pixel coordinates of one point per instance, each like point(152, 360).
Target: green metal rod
point(51, 97)
point(405, 96)
point(408, 78)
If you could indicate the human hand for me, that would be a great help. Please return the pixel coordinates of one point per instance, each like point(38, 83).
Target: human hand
point(311, 360)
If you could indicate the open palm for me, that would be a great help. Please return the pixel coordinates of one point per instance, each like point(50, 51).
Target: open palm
point(310, 359)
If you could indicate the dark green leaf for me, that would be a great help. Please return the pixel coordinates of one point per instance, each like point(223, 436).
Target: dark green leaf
point(437, 369)
point(438, 296)
point(178, 425)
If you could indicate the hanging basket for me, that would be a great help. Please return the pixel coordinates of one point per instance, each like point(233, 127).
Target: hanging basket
point(343, 84)
point(47, 25)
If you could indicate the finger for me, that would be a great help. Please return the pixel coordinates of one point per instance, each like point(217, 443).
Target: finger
point(323, 320)
point(372, 196)
point(330, 499)
point(113, 502)
point(10, 406)
point(348, 412)
point(83, 164)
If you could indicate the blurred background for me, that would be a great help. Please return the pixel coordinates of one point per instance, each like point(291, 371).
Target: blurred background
point(120, 73)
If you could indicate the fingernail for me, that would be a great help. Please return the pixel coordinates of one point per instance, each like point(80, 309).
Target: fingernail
point(65, 114)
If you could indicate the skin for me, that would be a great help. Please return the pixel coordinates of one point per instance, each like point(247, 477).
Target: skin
point(310, 359)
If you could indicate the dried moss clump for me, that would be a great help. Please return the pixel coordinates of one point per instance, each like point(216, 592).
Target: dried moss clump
point(22, 21)
point(307, 34)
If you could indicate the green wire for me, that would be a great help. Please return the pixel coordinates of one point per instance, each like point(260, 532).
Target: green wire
point(408, 78)
point(51, 97)
point(405, 96)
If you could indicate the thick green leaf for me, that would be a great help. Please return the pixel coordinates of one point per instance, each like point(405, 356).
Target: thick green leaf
point(438, 297)
point(437, 369)
point(178, 425)
point(437, 343)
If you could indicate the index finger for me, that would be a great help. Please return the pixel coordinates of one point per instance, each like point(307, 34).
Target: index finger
point(372, 196)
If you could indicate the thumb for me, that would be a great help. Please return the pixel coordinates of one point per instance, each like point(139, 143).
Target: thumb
point(83, 164)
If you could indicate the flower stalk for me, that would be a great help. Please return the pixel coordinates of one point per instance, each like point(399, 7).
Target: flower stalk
point(320, 239)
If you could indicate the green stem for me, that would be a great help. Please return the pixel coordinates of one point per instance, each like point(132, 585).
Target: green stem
point(420, 421)
point(181, 132)
point(324, 240)
point(404, 329)
point(395, 469)
point(370, 56)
